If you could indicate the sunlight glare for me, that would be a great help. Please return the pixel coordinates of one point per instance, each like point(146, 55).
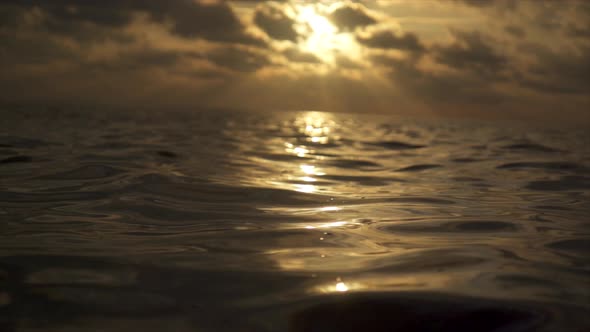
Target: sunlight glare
point(318, 24)
point(299, 151)
point(341, 287)
point(323, 38)
point(308, 169)
point(308, 179)
point(328, 225)
point(305, 188)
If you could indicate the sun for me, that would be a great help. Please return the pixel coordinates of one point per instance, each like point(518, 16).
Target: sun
point(322, 38)
point(319, 24)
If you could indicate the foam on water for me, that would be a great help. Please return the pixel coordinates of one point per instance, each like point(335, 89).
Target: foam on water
point(292, 222)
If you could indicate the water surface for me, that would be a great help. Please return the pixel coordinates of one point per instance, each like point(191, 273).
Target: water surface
point(212, 221)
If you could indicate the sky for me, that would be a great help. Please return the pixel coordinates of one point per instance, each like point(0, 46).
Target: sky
point(494, 59)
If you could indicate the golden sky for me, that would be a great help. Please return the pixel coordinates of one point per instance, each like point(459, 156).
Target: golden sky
point(503, 58)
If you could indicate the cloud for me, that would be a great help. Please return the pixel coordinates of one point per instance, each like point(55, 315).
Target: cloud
point(386, 39)
point(483, 75)
point(440, 89)
point(472, 51)
point(238, 59)
point(33, 49)
point(559, 72)
point(349, 16)
point(214, 21)
point(275, 23)
point(138, 59)
point(346, 63)
point(496, 4)
point(189, 19)
point(296, 55)
point(515, 31)
point(578, 30)
point(468, 62)
point(474, 57)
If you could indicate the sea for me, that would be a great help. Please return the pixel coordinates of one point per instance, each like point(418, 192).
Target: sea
point(213, 220)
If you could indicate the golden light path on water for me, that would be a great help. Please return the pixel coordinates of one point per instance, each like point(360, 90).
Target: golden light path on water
point(316, 127)
point(317, 131)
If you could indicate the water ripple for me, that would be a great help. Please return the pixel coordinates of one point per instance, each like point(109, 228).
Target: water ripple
point(162, 220)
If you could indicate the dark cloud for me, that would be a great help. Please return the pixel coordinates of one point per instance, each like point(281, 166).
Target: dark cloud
point(139, 59)
point(559, 73)
point(477, 3)
point(342, 61)
point(32, 50)
point(481, 74)
point(73, 12)
point(546, 18)
point(10, 16)
point(273, 20)
point(515, 31)
point(578, 31)
point(238, 59)
point(351, 16)
point(191, 19)
point(472, 51)
point(441, 89)
point(56, 23)
point(296, 55)
point(497, 4)
point(389, 40)
point(215, 21)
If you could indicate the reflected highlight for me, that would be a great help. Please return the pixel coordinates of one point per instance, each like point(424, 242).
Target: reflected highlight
point(329, 225)
point(330, 208)
point(308, 179)
point(341, 287)
point(305, 188)
point(308, 169)
point(311, 170)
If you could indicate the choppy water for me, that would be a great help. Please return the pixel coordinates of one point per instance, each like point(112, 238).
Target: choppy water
point(290, 222)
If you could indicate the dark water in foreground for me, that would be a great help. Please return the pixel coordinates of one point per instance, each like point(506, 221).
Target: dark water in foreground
point(291, 222)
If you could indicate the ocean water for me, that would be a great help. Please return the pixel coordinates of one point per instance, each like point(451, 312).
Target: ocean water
point(305, 221)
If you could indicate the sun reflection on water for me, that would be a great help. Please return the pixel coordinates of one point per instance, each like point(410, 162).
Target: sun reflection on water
point(308, 179)
point(316, 128)
point(305, 188)
point(316, 125)
point(341, 287)
point(329, 225)
point(307, 169)
point(311, 170)
point(330, 208)
point(299, 151)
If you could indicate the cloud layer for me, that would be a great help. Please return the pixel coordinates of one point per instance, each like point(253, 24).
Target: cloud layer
point(494, 58)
